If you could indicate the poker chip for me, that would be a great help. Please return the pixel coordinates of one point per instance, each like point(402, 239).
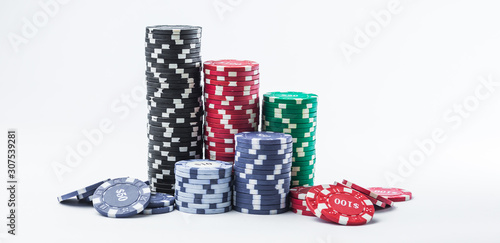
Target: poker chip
point(158, 210)
point(226, 78)
point(161, 200)
point(367, 192)
point(81, 193)
point(260, 212)
point(223, 83)
point(261, 207)
point(121, 197)
point(231, 65)
point(174, 95)
point(339, 204)
point(233, 102)
point(393, 194)
point(217, 88)
point(302, 212)
point(299, 192)
point(294, 113)
point(203, 186)
point(262, 161)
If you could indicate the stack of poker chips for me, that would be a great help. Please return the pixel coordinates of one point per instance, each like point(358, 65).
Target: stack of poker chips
point(175, 119)
point(294, 113)
point(203, 186)
point(262, 172)
point(231, 93)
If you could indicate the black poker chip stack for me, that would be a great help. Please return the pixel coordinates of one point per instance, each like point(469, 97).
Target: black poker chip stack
point(175, 118)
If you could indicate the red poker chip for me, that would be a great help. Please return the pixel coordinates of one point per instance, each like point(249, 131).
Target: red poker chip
point(225, 78)
point(220, 140)
point(220, 158)
point(339, 204)
point(221, 145)
point(231, 73)
point(219, 149)
point(393, 194)
point(299, 192)
point(232, 112)
point(232, 83)
point(232, 93)
point(298, 201)
point(230, 117)
point(231, 65)
point(218, 135)
point(228, 131)
point(231, 89)
point(218, 154)
point(233, 126)
point(301, 207)
point(232, 121)
point(367, 192)
point(232, 103)
point(235, 107)
point(302, 212)
point(230, 97)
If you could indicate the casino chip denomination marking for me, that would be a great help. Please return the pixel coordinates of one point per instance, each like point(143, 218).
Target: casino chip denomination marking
point(294, 113)
point(262, 177)
point(173, 81)
point(231, 94)
point(203, 186)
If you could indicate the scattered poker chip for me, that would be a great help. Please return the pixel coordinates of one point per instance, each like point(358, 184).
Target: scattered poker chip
point(367, 192)
point(231, 83)
point(263, 138)
point(204, 201)
point(81, 192)
point(121, 197)
point(393, 194)
point(203, 205)
point(290, 97)
point(231, 65)
point(302, 212)
point(158, 210)
point(226, 78)
point(161, 200)
point(260, 212)
point(204, 211)
point(339, 204)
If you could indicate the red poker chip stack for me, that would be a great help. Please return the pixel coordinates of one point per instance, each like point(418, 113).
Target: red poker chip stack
point(231, 91)
point(298, 200)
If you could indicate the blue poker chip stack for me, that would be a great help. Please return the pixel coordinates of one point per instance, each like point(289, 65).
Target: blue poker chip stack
point(262, 170)
point(203, 186)
point(175, 118)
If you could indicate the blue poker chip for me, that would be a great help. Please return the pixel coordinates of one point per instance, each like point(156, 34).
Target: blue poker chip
point(263, 167)
point(81, 193)
point(261, 192)
point(158, 210)
point(203, 211)
point(203, 196)
point(263, 156)
point(261, 201)
point(202, 176)
point(203, 186)
point(203, 205)
point(121, 197)
point(204, 201)
point(266, 146)
point(203, 181)
point(260, 212)
point(203, 191)
point(204, 167)
point(262, 138)
point(262, 187)
point(263, 152)
point(262, 177)
point(261, 207)
point(262, 182)
point(262, 172)
point(243, 160)
point(161, 200)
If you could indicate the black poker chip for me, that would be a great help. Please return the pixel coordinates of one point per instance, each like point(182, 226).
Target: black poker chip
point(172, 95)
point(153, 165)
point(178, 144)
point(176, 134)
point(175, 106)
point(173, 65)
point(173, 76)
point(174, 129)
point(173, 46)
point(163, 185)
point(150, 50)
point(172, 70)
point(168, 159)
point(173, 55)
point(172, 42)
point(183, 139)
point(185, 110)
point(173, 85)
point(173, 60)
point(197, 90)
point(160, 171)
point(174, 125)
point(173, 29)
point(197, 149)
point(162, 181)
point(173, 36)
point(161, 114)
point(175, 101)
point(173, 120)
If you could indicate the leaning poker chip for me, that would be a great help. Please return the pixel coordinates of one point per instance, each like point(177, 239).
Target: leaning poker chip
point(393, 194)
point(121, 197)
point(367, 192)
point(260, 212)
point(290, 97)
point(223, 83)
point(263, 138)
point(202, 166)
point(339, 204)
point(158, 210)
point(239, 78)
point(220, 88)
point(229, 65)
point(81, 192)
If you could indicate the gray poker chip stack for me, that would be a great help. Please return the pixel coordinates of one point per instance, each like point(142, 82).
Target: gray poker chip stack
point(175, 118)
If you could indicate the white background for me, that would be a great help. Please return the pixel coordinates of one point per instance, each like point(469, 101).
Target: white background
point(397, 89)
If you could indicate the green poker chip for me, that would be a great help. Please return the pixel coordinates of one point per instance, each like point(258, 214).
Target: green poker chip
point(290, 130)
point(304, 173)
point(308, 182)
point(290, 97)
point(289, 125)
point(289, 111)
point(289, 106)
point(303, 177)
point(302, 168)
point(288, 120)
point(303, 163)
point(306, 149)
point(304, 144)
point(302, 140)
point(304, 158)
point(304, 154)
point(289, 115)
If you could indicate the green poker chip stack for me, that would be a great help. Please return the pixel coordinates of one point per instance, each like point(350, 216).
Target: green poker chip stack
point(294, 113)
